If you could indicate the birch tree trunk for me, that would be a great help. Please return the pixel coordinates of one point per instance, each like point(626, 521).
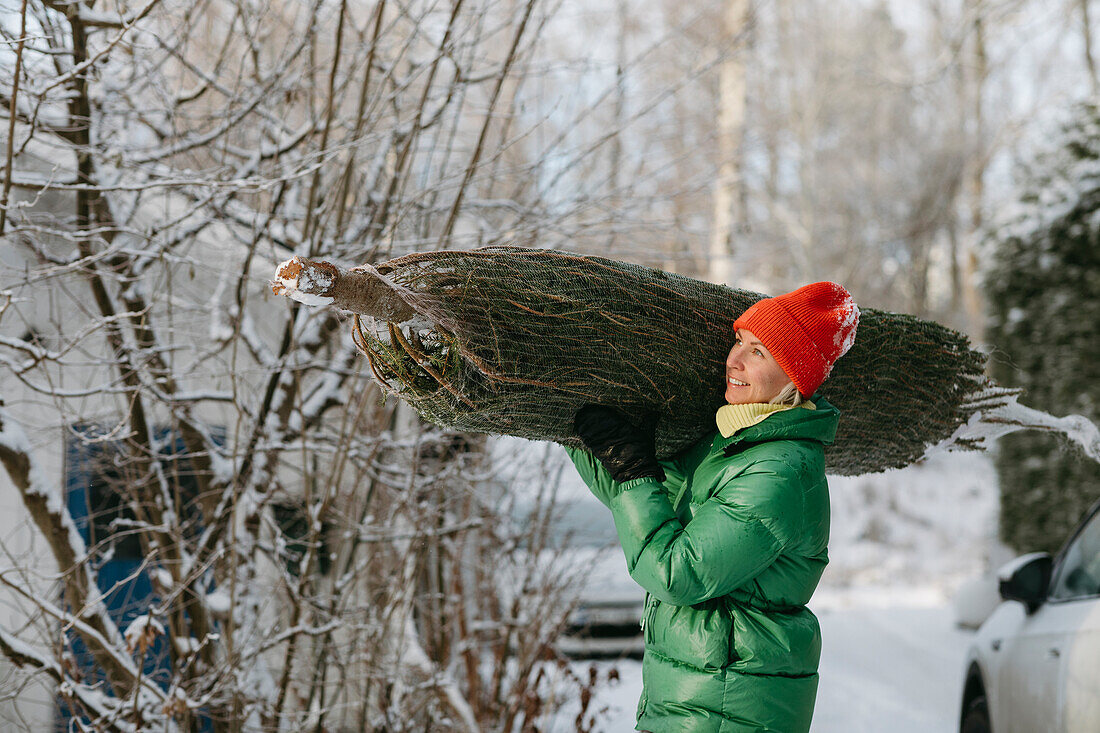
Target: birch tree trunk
point(1086, 36)
point(978, 161)
point(728, 196)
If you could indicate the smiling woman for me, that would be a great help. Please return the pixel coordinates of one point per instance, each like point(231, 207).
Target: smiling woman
point(752, 373)
point(729, 537)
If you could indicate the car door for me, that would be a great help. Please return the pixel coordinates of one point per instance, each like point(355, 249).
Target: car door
point(1075, 598)
point(1050, 679)
point(1028, 677)
point(1081, 673)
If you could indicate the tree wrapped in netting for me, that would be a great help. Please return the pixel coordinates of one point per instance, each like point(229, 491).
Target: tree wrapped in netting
point(513, 341)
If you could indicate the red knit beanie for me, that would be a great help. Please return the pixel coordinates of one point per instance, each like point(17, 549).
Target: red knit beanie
point(806, 330)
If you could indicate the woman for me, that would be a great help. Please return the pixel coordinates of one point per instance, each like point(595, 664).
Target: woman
point(729, 536)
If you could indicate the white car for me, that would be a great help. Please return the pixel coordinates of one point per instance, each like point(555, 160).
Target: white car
point(1034, 666)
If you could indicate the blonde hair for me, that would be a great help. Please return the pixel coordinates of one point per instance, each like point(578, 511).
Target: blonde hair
point(789, 396)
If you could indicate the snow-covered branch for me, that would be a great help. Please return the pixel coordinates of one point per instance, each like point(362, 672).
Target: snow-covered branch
point(308, 544)
point(106, 712)
point(47, 509)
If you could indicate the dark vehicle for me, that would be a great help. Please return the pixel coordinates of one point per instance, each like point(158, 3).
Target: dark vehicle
point(606, 622)
point(607, 619)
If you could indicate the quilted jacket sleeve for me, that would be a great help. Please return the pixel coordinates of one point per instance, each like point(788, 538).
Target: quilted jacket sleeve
point(731, 538)
point(604, 488)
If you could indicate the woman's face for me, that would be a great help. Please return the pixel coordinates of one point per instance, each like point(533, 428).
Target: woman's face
point(752, 374)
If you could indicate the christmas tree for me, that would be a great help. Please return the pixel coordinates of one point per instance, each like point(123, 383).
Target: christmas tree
point(513, 341)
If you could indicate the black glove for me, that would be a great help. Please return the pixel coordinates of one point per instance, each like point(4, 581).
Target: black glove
point(625, 450)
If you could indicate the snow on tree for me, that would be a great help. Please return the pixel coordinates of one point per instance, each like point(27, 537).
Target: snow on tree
point(1043, 281)
point(193, 459)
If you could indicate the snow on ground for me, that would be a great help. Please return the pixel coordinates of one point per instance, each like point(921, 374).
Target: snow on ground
point(920, 531)
point(890, 669)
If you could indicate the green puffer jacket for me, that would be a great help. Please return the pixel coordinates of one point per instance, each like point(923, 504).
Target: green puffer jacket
point(730, 547)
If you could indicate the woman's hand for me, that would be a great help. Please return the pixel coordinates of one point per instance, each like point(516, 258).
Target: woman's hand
point(625, 450)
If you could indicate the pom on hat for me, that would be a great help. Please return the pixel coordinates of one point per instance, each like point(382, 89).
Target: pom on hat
point(806, 330)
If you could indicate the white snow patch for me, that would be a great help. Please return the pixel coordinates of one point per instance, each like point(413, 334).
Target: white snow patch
point(161, 578)
point(846, 333)
point(15, 440)
point(308, 299)
point(186, 645)
point(303, 281)
point(984, 426)
point(141, 632)
point(911, 536)
point(219, 604)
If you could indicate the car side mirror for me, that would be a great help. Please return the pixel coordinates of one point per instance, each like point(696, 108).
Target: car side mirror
point(1027, 579)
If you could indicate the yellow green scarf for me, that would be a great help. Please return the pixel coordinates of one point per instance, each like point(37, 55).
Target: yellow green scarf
point(731, 418)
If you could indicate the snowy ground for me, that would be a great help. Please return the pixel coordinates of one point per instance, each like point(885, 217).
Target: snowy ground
point(890, 669)
point(882, 669)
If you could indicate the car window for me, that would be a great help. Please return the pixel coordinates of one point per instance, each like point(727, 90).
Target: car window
point(1079, 573)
